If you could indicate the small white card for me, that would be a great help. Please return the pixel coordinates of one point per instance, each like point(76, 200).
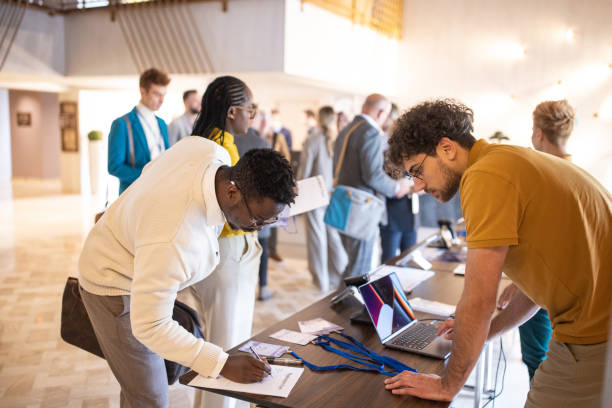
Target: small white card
point(431, 307)
point(264, 349)
point(409, 278)
point(291, 336)
point(318, 326)
point(459, 270)
point(279, 384)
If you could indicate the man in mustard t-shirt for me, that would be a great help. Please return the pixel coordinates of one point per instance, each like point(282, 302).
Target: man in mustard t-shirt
point(543, 221)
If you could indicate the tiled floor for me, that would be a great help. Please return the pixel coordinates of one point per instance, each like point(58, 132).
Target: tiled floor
point(41, 233)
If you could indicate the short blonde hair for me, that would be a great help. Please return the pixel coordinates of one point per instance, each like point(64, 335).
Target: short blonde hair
point(555, 119)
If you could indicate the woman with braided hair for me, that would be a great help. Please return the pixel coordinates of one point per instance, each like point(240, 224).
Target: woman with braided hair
point(227, 296)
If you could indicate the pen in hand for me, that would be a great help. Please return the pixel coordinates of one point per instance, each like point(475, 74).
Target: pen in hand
point(267, 368)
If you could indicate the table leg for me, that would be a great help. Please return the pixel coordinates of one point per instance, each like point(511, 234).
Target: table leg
point(479, 380)
point(488, 368)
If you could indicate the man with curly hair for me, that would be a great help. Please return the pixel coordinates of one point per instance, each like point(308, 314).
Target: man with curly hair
point(160, 237)
point(543, 221)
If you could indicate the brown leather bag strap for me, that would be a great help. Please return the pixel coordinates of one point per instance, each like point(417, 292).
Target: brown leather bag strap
point(130, 140)
point(341, 158)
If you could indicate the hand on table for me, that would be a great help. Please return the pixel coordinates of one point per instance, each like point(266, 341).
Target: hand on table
point(244, 368)
point(426, 386)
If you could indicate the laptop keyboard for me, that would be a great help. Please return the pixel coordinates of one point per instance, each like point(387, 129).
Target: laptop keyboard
point(418, 337)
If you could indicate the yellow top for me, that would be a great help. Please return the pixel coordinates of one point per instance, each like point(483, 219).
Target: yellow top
point(230, 146)
point(557, 220)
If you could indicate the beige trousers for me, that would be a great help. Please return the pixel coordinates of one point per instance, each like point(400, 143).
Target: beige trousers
point(571, 376)
point(227, 301)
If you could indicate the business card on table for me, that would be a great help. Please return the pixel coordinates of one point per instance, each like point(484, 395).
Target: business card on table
point(291, 336)
point(318, 326)
point(265, 349)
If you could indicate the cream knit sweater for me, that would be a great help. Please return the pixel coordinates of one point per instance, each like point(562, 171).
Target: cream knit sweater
point(159, 237)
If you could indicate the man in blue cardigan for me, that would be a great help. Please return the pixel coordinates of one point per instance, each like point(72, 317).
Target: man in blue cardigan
point(139, 136)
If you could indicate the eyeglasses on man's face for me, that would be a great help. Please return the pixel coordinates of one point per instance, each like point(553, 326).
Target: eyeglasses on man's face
point(416, 173)
point(251, 110)
point(254, 222)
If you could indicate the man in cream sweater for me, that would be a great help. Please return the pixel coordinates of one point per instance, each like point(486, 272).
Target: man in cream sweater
point(159, 237)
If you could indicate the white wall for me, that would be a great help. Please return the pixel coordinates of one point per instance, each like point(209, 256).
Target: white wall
point(322, 46)
point(248, 37)
point(471, 50)
point(5, 137)
point(39, 46)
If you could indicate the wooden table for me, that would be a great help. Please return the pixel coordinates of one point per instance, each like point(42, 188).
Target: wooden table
point(352, 389)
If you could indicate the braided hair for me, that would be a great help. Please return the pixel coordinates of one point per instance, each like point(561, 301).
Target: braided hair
point(221, 94)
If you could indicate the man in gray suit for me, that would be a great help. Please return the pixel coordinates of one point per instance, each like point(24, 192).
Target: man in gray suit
point(182, 126)
point(362, 168)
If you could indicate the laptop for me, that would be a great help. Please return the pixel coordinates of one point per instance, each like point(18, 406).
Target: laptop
point(396, 323)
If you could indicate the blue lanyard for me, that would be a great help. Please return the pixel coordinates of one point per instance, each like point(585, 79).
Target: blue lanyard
point(363, 355)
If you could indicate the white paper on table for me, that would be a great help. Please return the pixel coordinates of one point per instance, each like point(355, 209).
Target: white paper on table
point(459, 270)
point(409, 278)
point(279, 384)
point(416, 257)
point(431, 307)
point(291, 336)
point(264, 349)
point(318, 326)
point(312, 193)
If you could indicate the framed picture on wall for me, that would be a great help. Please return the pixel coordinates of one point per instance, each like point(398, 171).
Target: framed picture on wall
point(69, 127)
point(24, 119)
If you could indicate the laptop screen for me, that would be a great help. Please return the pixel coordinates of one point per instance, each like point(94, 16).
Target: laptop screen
point(387, 305)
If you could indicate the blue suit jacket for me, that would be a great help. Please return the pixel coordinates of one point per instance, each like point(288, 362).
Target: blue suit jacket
point(119, 151)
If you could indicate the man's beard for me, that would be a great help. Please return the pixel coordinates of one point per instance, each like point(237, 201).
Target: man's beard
point(452, 178)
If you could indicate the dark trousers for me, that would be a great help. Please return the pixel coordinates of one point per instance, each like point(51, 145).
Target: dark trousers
point(392, 240)
point(263, 262)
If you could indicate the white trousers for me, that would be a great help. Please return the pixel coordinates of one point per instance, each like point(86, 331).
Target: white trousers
point(226, 303)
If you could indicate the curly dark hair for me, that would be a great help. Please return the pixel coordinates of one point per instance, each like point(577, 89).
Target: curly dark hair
point(420, 129)
point(265, 173)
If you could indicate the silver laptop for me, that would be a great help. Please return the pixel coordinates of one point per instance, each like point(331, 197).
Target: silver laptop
point(396, 323)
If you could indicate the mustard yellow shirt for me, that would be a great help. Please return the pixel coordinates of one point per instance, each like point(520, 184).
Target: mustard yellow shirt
point(230, 146)
point(557, 220)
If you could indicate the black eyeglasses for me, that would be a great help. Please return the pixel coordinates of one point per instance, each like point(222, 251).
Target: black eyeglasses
point(253, 222)
point(418, 172)
point(251, 110)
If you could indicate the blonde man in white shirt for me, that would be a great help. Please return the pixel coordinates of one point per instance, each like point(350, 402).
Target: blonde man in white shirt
point(160, 237)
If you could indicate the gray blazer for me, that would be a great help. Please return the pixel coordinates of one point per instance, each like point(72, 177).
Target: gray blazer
point(362, 166)
point(179, 128)
point(315, 159)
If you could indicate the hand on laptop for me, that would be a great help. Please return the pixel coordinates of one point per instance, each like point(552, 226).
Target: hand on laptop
point(446, 329)
point(427, 386)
